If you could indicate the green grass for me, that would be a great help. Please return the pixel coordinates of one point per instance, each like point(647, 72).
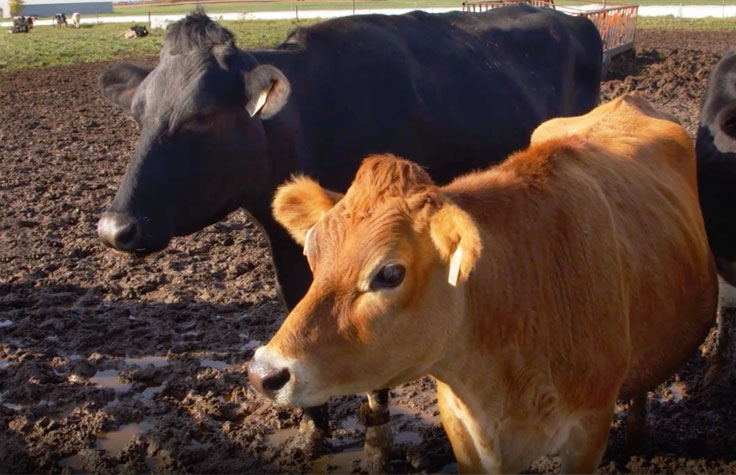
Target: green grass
point(47, 46)
point(267, 6)
point(671, 23)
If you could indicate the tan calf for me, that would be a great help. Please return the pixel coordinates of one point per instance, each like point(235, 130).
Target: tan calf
point(536, 292)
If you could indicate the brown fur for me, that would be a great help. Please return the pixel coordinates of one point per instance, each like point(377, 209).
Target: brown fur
point(587, 277)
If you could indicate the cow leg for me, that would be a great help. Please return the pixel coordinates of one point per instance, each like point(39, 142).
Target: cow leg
point(720, 362)
point(378, 440)
point(583, 450)
point(637, 427)
point(314, 427)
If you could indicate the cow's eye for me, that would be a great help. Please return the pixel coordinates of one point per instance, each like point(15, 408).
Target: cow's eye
point(390, 276)
point(200, 121)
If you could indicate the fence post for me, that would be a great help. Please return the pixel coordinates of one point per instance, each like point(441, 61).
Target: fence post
point(149, 20)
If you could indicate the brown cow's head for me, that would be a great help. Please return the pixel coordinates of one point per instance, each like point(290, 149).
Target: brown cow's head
point(381, 305)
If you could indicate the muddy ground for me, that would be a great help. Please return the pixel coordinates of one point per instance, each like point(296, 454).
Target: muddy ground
point(113, 364)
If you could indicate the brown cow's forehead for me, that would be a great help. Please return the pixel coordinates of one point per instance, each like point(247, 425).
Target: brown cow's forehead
point(346, 242)
point(385, 202)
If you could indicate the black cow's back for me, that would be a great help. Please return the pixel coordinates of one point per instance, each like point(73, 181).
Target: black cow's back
point(454, 91)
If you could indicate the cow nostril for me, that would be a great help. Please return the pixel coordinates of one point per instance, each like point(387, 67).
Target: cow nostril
point(126, 235)
point(273, 383)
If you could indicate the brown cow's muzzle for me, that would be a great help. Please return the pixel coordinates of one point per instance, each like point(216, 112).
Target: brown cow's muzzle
point(268, 382)
point(286, 380)
point(270, 375)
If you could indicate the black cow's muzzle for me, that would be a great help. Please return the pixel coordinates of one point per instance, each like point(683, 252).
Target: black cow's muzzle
point(121, 232)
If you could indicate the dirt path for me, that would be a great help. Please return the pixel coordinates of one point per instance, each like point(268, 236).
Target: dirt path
point(112, 364)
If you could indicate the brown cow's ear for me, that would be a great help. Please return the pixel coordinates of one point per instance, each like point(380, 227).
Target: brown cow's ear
point(456, 237)
point(267, 90)
point(300, 203)
point(118, 85)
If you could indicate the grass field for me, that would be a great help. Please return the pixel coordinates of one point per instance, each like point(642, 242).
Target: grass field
point(268, 6)
point(47, 46)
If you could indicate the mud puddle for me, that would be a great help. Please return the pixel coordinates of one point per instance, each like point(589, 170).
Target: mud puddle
point(112, 443)
point(110, 378)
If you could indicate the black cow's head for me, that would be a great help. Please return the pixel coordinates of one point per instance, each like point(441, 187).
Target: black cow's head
point(202, 149)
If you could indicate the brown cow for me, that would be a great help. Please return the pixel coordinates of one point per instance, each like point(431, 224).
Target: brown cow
point(536, 292)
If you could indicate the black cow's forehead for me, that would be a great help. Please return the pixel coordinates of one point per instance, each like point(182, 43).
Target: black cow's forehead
point(186, 84)
point(196, 31)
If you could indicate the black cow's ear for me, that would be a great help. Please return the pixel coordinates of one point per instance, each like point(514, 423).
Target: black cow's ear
point(118, 85)
point(267, 90)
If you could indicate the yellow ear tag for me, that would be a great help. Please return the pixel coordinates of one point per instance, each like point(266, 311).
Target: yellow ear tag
point(455, 266)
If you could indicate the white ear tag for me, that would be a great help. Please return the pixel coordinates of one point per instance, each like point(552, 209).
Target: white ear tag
point(260, 102)
point(455, 266)
point(306, 239)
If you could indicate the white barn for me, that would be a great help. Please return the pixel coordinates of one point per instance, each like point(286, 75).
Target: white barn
point(45, 8)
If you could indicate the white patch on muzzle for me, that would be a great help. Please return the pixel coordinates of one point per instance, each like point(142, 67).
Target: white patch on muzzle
point(301, 390)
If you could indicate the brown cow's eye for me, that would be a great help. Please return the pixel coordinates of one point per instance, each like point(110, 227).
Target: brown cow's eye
point(390, 276)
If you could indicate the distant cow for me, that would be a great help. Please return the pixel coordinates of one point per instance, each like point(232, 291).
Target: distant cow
point(135, 31)
point(453, 91)
point(59, 20)
point(76, 19)
point(716, 151)
point(22, 24)
point(537, 292)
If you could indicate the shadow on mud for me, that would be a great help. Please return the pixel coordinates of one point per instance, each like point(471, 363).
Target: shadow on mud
point(89, 384)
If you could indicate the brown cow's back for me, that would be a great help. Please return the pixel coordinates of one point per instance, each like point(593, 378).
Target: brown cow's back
point(601, 213)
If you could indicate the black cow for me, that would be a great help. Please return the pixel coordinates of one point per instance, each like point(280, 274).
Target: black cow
point(222, 127)
point(716, 152)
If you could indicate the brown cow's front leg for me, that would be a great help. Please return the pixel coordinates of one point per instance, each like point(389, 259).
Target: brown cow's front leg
point(378, 440)
point(314, 428)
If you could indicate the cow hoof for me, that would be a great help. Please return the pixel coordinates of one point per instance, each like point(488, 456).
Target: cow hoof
point(312, 440)
point(378, 438)
point(378, 446)
point(637, 428)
